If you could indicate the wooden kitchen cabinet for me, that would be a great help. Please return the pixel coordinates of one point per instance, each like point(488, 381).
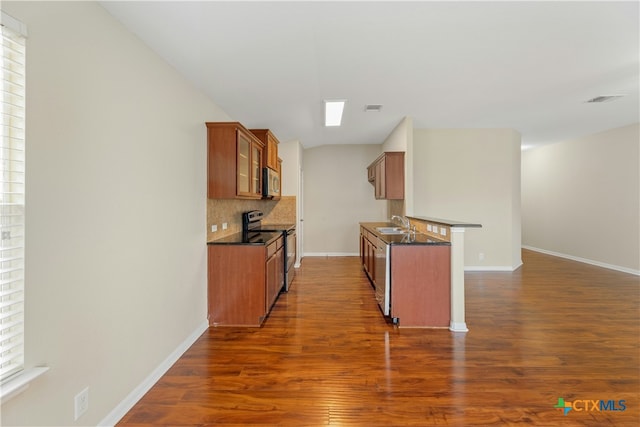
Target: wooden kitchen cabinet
point(386, 174)
point(234, 162)
point(371, 174)
point(271, 146)
point(380, 181)
point(244, 282)
point(368, 247)
point(279, 170)
point(421, 285)
point(236, 285)
point(274, 271)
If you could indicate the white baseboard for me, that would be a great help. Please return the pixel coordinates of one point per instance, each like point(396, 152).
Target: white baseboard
point(584, 260)
point(458, 327)
point(326, 254)
point(489, 268)
point(123, 407)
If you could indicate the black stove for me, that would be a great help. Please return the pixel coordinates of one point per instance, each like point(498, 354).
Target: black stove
point(252, 222)
point(252, 226)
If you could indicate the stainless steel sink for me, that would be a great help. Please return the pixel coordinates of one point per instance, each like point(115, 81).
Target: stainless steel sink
point(391, 230)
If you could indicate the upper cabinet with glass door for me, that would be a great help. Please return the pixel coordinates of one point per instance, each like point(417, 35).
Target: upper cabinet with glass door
point(256, 169)
point(234, 162)
point(271, 147)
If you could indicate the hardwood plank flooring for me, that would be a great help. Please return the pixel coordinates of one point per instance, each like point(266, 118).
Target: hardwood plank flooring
point(552, 329)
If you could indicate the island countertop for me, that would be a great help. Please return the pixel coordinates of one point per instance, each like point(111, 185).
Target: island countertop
point(402, 239)
point(447, 222)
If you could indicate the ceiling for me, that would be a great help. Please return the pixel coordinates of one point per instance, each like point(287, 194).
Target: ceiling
point(530, 66)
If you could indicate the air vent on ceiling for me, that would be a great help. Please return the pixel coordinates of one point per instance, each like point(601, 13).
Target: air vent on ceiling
point(604, 98)
point(372, 107)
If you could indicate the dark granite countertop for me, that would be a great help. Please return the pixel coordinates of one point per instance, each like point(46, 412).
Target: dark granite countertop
point(261, 239)
point(277, 226)
point(447, 222)
point(402, 239)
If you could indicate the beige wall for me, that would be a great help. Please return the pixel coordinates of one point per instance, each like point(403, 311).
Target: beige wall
point(581, 198)
point(466, 175)
point(400, 136)
point(337, 197)
point(472, 175)
point(116, 202)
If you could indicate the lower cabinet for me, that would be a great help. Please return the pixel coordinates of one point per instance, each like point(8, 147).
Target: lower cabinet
point(421, 285)
point(243, 282)
point(368, 252)
point(274, 272)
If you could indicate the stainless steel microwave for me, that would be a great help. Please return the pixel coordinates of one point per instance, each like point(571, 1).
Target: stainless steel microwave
point(270, 183)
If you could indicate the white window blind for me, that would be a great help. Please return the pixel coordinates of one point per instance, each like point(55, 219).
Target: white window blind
point(12, 201)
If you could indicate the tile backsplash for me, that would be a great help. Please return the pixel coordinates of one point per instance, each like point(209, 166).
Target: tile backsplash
point(230, 211)
point(395, 207)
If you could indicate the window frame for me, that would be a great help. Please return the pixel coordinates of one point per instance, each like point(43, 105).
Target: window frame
point(14, 378)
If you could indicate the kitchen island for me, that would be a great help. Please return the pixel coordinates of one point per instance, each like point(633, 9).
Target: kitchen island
point(430, 231)
point(453, 231)
point(410, 273)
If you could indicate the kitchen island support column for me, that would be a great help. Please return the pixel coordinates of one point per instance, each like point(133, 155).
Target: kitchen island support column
point(458, 323)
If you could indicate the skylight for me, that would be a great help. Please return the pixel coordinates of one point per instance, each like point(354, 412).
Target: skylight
point(333, 112)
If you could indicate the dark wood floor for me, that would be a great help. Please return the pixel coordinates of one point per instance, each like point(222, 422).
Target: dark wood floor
point(325, 356)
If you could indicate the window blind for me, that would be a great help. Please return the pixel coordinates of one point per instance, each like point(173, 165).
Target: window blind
point(12, 201)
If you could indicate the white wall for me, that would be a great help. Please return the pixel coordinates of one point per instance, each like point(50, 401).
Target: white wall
point(116, 189)
point(337, 197)
point(581, 198)
point(472, 175)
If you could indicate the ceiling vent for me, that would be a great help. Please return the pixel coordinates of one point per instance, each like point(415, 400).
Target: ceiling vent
point(604, 98)
point(372, 107)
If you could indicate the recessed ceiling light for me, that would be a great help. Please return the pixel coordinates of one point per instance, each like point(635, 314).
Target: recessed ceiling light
point(372, 107)
point(604, 98)
point(333, 111)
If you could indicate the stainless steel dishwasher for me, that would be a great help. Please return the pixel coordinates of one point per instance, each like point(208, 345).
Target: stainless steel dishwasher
point(383, 276)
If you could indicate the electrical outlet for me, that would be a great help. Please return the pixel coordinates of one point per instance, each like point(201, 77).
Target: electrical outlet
point(443, 231)
point(435, 229)
point(224, 226)
point(429, 228)
point(81, 403)
point(481, 256)
point(214, 228)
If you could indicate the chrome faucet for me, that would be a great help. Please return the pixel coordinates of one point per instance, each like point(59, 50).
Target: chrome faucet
point(403, 220)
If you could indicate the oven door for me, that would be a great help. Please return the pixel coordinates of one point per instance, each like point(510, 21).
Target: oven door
point(291, 249)
point(291, 258)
